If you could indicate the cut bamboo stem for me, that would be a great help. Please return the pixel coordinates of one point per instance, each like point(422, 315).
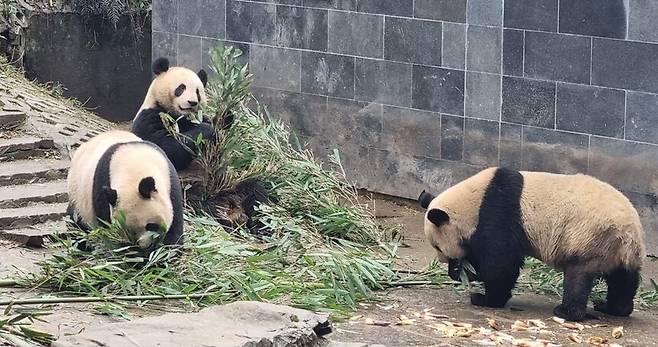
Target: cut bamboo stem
point(37, 301)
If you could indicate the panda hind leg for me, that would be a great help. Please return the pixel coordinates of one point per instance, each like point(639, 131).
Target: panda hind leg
point(578, 285)
point(622, 287)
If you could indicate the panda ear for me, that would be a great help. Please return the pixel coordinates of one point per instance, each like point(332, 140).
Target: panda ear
point(111, 195)
point(437, 217)
point(160, 65)
point(425, 198)
point(203, 76)
point(146, 187)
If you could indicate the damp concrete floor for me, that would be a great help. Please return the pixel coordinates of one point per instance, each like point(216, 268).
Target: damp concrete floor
point(410, 316)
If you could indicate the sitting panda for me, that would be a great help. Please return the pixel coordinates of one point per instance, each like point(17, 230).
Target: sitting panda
point(574, 223)
point(118, 171)
point(179, 92)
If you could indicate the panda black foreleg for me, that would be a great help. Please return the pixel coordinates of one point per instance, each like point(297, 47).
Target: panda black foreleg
point(578, 285)
point(192, 133)
point(499, 273)
point(622, 287)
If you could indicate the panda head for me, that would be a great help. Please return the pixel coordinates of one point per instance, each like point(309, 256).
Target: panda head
point(148, 212)
point(445, 234)
point(177, 89)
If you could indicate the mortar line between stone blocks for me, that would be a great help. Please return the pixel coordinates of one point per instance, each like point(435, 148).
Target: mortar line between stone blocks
point(443, 59)
point(384, 38)
point(589, 151)
point(558, 16)
point(226, 19)
point(591, 59)
point(625, 111)
point(178, 62)
point(440, 136)
point(521, 140)
point(555, 108)
point(411, 93)
point(354, 78)
point(464, 140)
point(465, 68)
point(523, 56)
point(627, 5)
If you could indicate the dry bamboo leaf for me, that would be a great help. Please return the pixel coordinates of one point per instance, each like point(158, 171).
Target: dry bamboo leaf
point(356, 317)
point(485, 342)
point(537, 322)
point(380, 323)
point(573, 326)
point(575, 338)
point(520, 326)
point(493, 324)
point(597, 341)
point(404, 320)
point(618, 332)
point(558, 320)
point(465, 332)
point(527, 343)
point(600, 325)
point(429, 315)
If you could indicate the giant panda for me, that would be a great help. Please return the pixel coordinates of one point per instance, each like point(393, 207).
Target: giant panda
point(118, 171)
point(574, 223)
point(179, 92)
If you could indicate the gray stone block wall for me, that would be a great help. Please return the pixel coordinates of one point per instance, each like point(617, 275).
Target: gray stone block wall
point(420, 94)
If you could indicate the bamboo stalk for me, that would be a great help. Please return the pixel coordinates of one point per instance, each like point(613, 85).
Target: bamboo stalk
point(8, 283)
point(81, 299)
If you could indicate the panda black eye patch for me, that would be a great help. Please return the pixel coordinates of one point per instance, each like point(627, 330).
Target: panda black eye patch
point(152, 227)
point(179, 90)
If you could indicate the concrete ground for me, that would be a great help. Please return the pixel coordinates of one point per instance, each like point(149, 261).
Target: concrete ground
point(446, 304)
point(422, 308)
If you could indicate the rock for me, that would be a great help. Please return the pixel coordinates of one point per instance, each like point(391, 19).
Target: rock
point(240, 324)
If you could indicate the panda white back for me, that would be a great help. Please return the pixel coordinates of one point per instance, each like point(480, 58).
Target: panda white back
point(80, 179)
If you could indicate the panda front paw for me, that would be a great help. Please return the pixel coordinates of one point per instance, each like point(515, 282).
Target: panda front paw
point(570, 313)
point(478, 299)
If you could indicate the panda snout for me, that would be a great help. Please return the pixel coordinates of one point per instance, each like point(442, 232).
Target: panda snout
point(193, 103)
point(145, 241)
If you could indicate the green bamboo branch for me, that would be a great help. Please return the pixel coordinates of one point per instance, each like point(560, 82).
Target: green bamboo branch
point(82, 299)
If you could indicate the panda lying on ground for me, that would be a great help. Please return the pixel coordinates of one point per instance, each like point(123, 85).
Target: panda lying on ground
point(117, 171)
point(179, 92)
point(574, 223)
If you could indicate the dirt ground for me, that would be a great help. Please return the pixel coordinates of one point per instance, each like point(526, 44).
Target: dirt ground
point(422, 329)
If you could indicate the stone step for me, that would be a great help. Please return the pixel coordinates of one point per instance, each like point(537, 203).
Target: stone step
point(36, 235)
point(24, 147)
point(10, 120)
point(26, 194)
point(22, 217)
point(32, 171)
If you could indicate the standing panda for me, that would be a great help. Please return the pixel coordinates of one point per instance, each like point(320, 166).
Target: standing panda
point(574, 223)
point(179, 92)
point(118, 171)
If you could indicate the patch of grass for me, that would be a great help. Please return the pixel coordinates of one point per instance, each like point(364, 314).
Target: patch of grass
point(539, 278)
point(15, 328)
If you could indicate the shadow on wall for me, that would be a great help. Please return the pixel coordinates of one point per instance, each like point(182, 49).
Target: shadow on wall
point(105, 67)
